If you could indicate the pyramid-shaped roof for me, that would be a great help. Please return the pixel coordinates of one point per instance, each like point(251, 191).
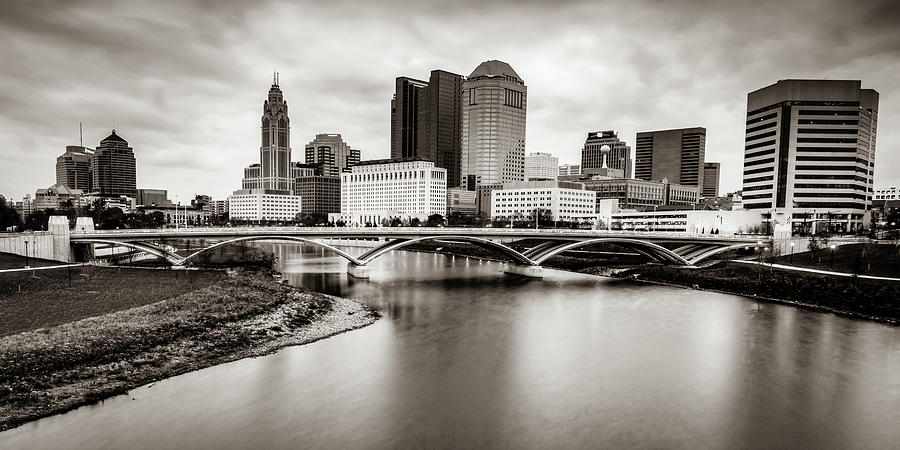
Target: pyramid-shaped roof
point(114, 137)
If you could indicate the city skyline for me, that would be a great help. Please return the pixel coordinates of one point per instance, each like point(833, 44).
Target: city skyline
point(188, 99)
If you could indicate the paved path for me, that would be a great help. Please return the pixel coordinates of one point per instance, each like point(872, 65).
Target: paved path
point(28, 269)
point(806, 269)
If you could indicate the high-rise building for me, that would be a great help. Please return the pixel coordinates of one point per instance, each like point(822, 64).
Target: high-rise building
point(73, 168)
point(711, 172)
point(674, 154)
point(426, 120)
point(443, 123)
point(541, 166)
point(113, 168)
point(330, 154)
point(619, 156)
point(275, 146)
point(408, 117)
point(810, 152)
point(494, 101)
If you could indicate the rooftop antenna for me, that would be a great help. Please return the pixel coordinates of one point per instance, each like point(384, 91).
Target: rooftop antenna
point(80, 135)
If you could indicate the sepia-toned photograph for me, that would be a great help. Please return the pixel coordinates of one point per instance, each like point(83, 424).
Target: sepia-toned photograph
point(417, 224)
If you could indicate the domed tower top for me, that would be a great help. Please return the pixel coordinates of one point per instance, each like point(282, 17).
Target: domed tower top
point(495, 69)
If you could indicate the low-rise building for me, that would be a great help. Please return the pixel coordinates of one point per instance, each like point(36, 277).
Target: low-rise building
point(891, 193)
point(153, 197)
point(569, 169)
point(696, 222)
point(58, 196)
point(461, 201)
point(642, 194)
point(320, 194)
point(564, 200)
point(263, 204)
point(378, 190)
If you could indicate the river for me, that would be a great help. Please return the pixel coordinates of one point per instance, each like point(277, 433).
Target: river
point(468, 357)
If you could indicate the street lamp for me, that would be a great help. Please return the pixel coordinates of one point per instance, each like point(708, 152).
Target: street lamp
point(26, 253)
point(832, 256)
point(792, 253)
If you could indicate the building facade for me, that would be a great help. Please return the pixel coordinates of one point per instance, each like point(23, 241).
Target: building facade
point(461, 201)
point(275, 145)
point(320, 194)
point(642, 194)
point(426, 121)
point(711, 171)
point(153, 197)
point(699, 222)
point(263, 205)
point(113, 168)
point(385, 189)
point(73, 168)
point(677, 155)
point(891, 193)
point(619, 156)
point(809, 153)
point(541, 166)
point(569, 170)
point(330, 154)
point(564, 200)
point(494, 102)
point(58, 196)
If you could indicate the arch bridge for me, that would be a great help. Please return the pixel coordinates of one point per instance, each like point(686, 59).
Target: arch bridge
point(668, 248)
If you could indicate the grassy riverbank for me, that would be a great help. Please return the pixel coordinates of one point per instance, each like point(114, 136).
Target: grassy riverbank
point(51, 370)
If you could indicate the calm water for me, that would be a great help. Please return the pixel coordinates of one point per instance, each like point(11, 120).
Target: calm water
point(468, 357)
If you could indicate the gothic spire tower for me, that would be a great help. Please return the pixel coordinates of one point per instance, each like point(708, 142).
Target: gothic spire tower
point(275, 149)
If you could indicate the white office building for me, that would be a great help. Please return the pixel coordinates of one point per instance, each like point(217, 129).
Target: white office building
point(263, 204)
point(381, 190)
point(541, 166)
point(569, 169)
point(566, 201)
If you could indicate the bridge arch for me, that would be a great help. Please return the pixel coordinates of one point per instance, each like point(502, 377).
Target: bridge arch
point(716, 251)
point(397, 244)
point(342, 253)
point(644, 247)
point(169, 257)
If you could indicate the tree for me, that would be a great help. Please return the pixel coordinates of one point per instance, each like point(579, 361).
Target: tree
point(544, 216)
point(435, 220)
point(415, 222)
point(396, 222)
point(9, 217)
point(111, 219)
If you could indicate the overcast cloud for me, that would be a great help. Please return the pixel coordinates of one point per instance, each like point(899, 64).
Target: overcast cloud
point(184, 82)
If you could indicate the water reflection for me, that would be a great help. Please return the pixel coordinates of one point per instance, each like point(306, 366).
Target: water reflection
point(468, 357)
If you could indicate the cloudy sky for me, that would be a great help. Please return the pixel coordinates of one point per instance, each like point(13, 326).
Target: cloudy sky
point(184, 81)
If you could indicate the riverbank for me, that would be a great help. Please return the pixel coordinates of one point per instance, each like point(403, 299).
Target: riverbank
point(876, 300)
point(51, 370)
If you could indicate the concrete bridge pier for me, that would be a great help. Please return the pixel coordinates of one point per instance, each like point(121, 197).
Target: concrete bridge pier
point(356, 271)
point(525, 271)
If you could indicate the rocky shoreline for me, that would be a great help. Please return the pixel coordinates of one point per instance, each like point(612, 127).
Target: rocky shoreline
point(53, 370)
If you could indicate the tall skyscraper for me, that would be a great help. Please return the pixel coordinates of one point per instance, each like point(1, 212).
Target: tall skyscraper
point(113, 168)
point(407, 117)
point(541, 166)
point(673, 154)
point(810, 152)
point(619, 156)
point(710, 179)
point(443, 123)
point(426, 121)
point(275, 148)
point(493, 126)
point(73, 168)
point(330, 154)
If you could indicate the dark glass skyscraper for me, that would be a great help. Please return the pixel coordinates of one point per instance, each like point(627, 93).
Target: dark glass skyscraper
point(619, 156)
point(677, 155)
point(113, 167)
point(426, 121)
